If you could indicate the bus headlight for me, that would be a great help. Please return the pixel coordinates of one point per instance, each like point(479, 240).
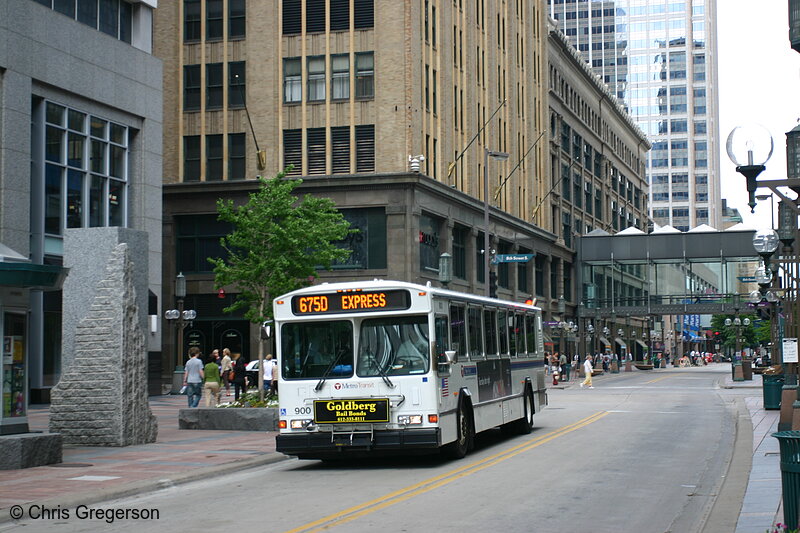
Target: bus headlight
point(409, 420)
point(299, 424)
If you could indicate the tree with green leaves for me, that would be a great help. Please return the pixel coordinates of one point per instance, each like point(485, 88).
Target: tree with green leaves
point(276, 245)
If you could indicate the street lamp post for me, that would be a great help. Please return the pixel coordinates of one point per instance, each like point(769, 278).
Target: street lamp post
point(500, 156)
point(182, 318)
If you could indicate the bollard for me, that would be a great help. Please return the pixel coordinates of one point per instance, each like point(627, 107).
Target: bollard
point(789, 442)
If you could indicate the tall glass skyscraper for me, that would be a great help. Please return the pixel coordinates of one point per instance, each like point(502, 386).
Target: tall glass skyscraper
point(659, 58)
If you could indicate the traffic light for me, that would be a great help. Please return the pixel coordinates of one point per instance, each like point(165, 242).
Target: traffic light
point(492, 285)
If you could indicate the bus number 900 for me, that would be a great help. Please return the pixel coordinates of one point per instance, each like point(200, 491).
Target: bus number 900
point(302, 410)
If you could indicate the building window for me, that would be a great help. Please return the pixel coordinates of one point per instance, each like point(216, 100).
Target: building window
point(237, 78)
point(191, 20)
point(237, 153)
point(198, 238)
point(364, 13)
point(292, 17)
point(315, 16)
point(522, 273)
point(340, 77)
point(292, 81)
point(86, 170)
point(237, 19)
point(213, 157)
point(191, 88)
point(315, 147)
point(316, 79)
point(112, 17)
point(340, 150)
point(365, 75)
point(504, 269)
point(460, 252)
point(293, 151)
point(365, 148)
point(214, 25)
point(539, 275)
point(429, 238)
point(191, 158)
point(214, 86)
point(367, 246)
point(340, 15)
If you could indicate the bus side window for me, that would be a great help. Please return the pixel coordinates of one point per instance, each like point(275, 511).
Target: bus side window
point(474, 330)
point(523, 334)
point(458, 330)
point(530, 334)
point(502, 331)
point(514, 322)
point(490, 331)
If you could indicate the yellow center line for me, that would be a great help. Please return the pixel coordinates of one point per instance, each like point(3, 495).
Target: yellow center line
point(357, 511)
point(658, 379)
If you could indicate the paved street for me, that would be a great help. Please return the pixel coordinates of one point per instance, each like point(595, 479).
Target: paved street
point(645, 451)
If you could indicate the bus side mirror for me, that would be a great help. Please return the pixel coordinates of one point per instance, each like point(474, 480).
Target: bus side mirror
point(266, 330)
point(451, 356)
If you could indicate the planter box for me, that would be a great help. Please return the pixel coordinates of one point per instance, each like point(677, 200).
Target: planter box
point(230, 419)
point(643, 366)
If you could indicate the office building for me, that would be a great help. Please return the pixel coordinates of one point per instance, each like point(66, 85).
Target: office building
point(659, 58)
point(80, 147)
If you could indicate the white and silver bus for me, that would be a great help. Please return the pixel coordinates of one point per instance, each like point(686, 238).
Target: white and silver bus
point(393, 367)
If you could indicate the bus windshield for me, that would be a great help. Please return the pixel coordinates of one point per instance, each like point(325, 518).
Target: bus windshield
point(314, 350)
point(393, 346)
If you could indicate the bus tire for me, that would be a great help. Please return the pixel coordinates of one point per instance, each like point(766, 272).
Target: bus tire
point(464, 433)
point(524, 425)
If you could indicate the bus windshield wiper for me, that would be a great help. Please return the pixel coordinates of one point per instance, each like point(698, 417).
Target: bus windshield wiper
point(327, 372)
point(381, 371)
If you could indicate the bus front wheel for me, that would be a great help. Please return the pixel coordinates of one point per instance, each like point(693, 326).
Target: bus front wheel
point(464, 433)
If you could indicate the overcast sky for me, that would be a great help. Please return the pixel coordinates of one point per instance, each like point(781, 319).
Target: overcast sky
point(759, 78)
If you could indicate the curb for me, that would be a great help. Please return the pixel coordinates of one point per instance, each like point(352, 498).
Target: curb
point(150, 485)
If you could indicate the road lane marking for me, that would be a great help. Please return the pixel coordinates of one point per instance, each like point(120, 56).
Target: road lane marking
point(363, 509)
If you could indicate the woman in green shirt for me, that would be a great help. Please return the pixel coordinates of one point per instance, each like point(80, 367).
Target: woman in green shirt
point(212, 381)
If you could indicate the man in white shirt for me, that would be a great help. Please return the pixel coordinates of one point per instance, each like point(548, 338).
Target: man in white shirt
point(193, 377)
point(269, 370)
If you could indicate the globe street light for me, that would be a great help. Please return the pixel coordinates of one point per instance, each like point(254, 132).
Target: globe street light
point(182, 317)
point(750, 147)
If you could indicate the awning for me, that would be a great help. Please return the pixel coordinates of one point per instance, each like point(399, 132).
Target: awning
point(30, 276)
point(620, 342)
point(604, 342)
point(642, 344)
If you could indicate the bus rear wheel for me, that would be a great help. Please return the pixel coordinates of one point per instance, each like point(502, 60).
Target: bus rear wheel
point(524, 425)
point(464, 433)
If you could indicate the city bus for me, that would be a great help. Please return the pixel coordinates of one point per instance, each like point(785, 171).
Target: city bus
point(389, 367)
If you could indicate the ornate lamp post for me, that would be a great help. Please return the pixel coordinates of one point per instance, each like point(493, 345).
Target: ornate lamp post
point(750, 147)
point(183, 318)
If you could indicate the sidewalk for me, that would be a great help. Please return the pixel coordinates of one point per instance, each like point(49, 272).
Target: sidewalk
point(90, 474)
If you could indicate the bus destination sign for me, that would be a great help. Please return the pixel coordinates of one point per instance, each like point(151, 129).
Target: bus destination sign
point(351, 411)
point(351, 302)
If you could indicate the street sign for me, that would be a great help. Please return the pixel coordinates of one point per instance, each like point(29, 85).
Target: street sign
point(747, 279)
point(513, 258)
point(790, 350)
point(550, 324)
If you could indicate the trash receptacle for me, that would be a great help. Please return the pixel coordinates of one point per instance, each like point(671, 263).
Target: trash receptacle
point(789, 442)
point(773, 388)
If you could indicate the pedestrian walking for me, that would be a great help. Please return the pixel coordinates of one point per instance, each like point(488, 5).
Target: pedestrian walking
point(562, 362)
point(193, 377)
point(239, 377)
point(211, 381)
point(587, 369)
point(226, 370)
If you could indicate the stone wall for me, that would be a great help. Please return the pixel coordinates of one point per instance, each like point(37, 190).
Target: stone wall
point(101, 399)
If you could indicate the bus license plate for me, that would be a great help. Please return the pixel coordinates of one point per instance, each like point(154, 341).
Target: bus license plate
point(351, 411)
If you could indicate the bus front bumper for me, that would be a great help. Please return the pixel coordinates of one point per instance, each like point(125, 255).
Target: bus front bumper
point(324, 444)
